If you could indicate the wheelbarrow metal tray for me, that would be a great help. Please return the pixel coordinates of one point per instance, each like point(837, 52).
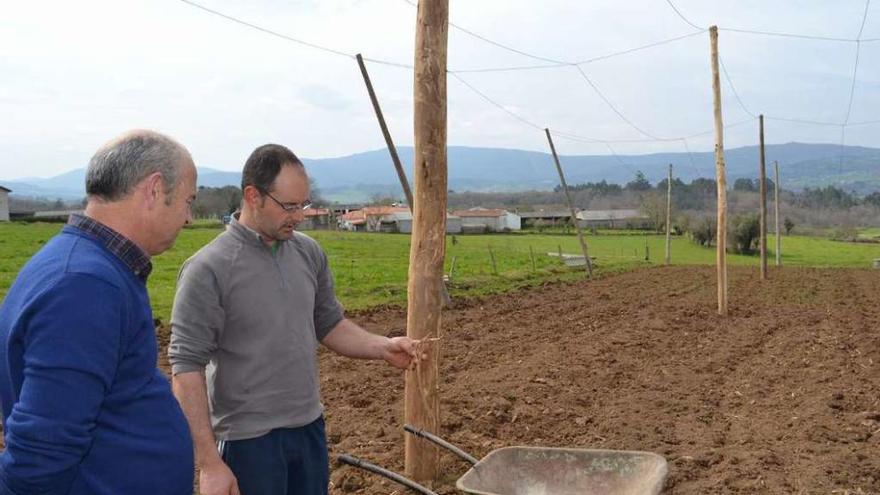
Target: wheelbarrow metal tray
point(560, 471)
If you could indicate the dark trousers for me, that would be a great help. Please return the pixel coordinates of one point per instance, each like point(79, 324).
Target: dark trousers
point(286, 461)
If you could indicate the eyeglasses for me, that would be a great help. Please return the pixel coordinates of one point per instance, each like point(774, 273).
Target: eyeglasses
point(290, 207)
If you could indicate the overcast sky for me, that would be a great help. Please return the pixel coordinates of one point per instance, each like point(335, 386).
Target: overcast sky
point(74, 74)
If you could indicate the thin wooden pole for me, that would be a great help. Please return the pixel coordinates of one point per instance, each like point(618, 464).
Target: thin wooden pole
point(669, 215)
point(721, 233)
point(392, 150)
point(763, 188)
point(778, 238)
point(532, 255)
point(574, 219)
point(427, 249)
point(452, 270)
point(492, 258)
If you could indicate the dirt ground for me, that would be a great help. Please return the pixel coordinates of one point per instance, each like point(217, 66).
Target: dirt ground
point(780, 397)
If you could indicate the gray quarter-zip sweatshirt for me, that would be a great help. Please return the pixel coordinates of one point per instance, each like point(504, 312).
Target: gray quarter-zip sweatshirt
point(252, 316)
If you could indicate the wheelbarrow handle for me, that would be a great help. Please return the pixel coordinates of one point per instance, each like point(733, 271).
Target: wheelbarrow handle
point(367, 466)
point(439, 441)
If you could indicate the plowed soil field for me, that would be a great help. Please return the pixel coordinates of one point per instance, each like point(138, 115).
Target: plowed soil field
point(782, 396)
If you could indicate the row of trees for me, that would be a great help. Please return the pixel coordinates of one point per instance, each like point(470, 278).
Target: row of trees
point(819, 208)
point(29, 204)
point(701, 192)
point(214, 202)
point(211, 202)
point(744, 231)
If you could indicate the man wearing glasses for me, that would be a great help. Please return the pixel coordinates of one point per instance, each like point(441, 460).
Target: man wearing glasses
point(250, 309)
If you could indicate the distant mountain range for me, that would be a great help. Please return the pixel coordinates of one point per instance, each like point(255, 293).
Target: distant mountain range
point(364, 175)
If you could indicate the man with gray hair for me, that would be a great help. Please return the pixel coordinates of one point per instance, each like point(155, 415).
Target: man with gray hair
point(85, 410)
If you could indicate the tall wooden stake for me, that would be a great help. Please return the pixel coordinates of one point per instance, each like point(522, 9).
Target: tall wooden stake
point(721, 235)
point(427, 249)
point(492, 258)
point(669, 215)
point(570, 207)
point(763, 188)
point(778, 236)
point(392, 150)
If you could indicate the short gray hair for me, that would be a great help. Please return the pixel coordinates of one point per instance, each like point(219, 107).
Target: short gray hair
point(122, 163)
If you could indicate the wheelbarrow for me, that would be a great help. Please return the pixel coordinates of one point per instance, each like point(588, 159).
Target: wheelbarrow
point(543, 471)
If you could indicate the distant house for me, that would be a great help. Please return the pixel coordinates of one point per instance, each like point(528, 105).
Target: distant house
point(55, 215)
point(403, 223)
point(476, 220)
point(339, 210)
point(4, 204)
point(315, 219)
point(371, 219)
point(354, 221)
point(379, 219)
point(613, 219)
point(547, 217)
point(453, 224)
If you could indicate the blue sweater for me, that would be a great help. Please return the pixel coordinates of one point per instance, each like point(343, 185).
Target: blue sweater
point(85, 410)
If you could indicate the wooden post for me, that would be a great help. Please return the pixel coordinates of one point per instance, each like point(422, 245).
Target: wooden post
point(668, 215)
point(721, 235)
point(532, 254)
point(763, 189)
point(570, 206)
point(392, 150)
point(492, 257)
point(778, 238)
point(559, 248)
point(427, 249)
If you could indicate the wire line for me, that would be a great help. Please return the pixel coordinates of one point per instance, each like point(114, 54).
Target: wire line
point(733, 88)
point(852, 88)
point(615, 110)
point(803, 121)
point(496, 104)
point(786, 35)
point(864, 19)
point(639, 48)
point(267, 31)
point(685, 19)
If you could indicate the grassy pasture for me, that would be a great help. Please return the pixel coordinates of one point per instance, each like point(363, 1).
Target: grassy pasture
point(371, 269)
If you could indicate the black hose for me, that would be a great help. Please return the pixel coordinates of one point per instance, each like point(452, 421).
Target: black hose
point(358, 463)
point(439, 441)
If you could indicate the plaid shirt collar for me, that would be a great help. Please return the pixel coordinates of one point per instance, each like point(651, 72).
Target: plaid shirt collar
point(134, 257)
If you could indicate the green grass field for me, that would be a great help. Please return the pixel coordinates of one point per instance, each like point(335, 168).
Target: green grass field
point(870, 234)
point(371, 269)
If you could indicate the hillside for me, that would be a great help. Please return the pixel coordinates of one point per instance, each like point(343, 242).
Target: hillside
point(360, 176)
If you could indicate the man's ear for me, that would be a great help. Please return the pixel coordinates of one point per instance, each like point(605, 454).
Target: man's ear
point(154, 190)
point(251, 195)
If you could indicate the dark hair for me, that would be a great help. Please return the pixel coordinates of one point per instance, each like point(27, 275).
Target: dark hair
point(264, 164)
point(121, 164)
